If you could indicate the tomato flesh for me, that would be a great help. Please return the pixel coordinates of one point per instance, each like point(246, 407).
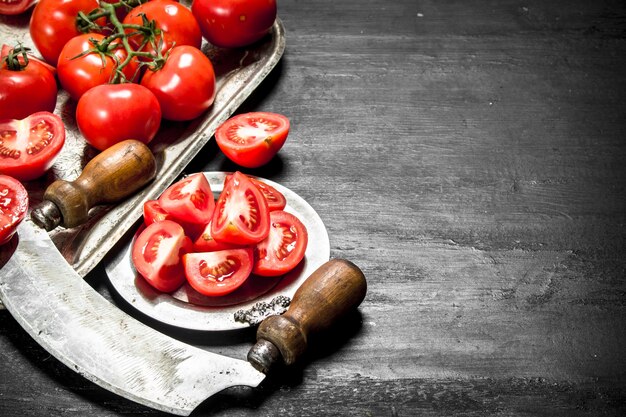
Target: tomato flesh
point(14, 7)
point(29, 147)
point(284, 247)
point(207, 243)
point(13, 206)
point(154, 213)
point(218, 273)
point(275, 199)
point(189, 200)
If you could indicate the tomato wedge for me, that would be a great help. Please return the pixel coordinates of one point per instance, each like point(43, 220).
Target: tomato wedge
point(218, 273)
point(252, 139)
point(189, 200)
point(241, 215)
point(206, 243)
point(284, 247)
point(29, 147)
point(275, 199)
point(154, 213)
point(157, 255)
point(13, 206)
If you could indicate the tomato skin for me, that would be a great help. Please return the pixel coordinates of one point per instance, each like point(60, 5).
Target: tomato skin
point(79, 74)
point(252, 139)
point(284, 247)
point(6, 49)
point(15, 7)
point(275, 199)
point(30, 146)
point(189, 200)
point(110, 113)
point(26, 91)
point(218, 273)
point(53, 24)
point(241, 215)
point(234, 23)
point(13, 206)
point(185, 85)
point(157, 255)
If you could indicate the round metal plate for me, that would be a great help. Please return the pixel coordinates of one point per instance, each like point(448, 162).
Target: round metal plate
point(189, 309)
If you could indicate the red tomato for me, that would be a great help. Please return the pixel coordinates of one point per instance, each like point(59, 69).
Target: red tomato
point(218, 273)
point(234, 23)
point(154, 213)
point(284, 247)
point(241, 215)
point(29, 147)
point(13, 206)
point(110, 113)
point(157, 255)
point(206, 243)
point(6, 49)
point(176, 22)
point(25, 87)
point(252, 139)
point(53, 23)
point(13, 7)
point(189, 200)
point(185, 85)
point(275, 199)
point(78, 73)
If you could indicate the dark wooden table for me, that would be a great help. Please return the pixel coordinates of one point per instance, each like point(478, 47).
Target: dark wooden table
point(470, 157)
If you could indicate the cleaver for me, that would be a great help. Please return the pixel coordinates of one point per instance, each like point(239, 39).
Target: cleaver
point(83, 330)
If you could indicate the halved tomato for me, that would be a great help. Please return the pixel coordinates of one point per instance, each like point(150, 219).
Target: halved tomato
point(13, 7)
point(241, 215)
point(284, 248)
point(157, 255)
point(252, 139)
point(189, 200)
point(29, 147)
point(275, 199)
point(206, 243)
point(218, 273)
point(13, 206)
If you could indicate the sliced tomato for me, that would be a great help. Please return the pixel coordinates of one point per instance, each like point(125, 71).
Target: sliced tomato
point(154, 213)
point(13, 206)
point(241, 215)
point(157, 255)
point(206, 243)
point(284, 247)
point(252, 139)
point(275, 199)
point(13, 7)
point(29, 147)
point(218, 273)
point(189, 200)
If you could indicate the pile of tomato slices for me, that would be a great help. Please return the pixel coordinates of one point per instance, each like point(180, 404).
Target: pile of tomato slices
point(217, 245)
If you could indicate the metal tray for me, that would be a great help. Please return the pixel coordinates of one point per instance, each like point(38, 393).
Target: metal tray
point(238, 73)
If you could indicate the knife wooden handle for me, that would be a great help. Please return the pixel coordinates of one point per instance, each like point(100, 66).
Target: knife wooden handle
point(113, 174)
point(332, 291)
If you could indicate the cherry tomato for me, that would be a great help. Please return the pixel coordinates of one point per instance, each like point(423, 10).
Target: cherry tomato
point(275, 199)
point(157, 255)
point(234, 23)
point(13, 7)
point(189, 200)
point(53, 23)
point(78, 73)
point(185, 85)
point(176, 22)
point(241, 215)
point(110, 113)
point(154, 213)
point(29, 147)
point(26, 86)
point(284, 247)
point(218, 273)
point(13, 206)
point(206, 243)
point(252, 139)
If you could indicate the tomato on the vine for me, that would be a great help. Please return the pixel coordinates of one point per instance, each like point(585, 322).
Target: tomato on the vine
point(234, 23)
point(283, 248)
point(185, 85)
point(81, 66)
point(110, 113)
point(252, 139)
point(26, 86)
point(13, 206)
point(189, 200)
point(14, 7)
point(29, 147)
point(218, 273)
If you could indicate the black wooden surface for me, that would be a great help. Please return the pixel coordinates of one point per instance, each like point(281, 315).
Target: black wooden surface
point(469, 156)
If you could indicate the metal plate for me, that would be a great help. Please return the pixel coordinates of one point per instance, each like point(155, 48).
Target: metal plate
point(188, 309)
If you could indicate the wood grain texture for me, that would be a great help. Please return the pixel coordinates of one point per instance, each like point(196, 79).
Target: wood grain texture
point(470, 158)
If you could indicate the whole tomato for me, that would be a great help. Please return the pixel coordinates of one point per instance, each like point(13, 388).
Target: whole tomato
point(79, 71)
point(110, 113)
point(26, 86)
point(185, 85)
point(15, 6)
point(234, 23)
point(53, 23)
